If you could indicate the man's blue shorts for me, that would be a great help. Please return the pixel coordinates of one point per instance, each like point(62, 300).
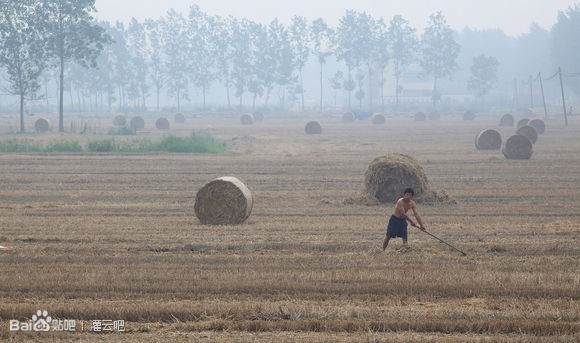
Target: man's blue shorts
point(397, 228)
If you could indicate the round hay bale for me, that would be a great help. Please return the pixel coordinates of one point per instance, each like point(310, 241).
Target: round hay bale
point(120, 120)
point(162, 124)
point(507, 120)
point(469, 115)
point(523, 122)
point(387, 176)
point(488, 139)
point(378, 119)
point(247, 119)
point(137, 123)
point(517, 147)
point(223, 201)
point(420, 116)
point(179, 118)
point(529, 132)
point(434, 115)
point(348, 117)
point(313, 128)
point(539, 125)
point(42, 125)
point(258, 116)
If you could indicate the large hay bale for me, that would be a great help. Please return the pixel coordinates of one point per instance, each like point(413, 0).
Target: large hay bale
point(258, 116)
point(162, 124)
point(488, 139)
point(529, 132)
point(539, 125)
point(517, 147)
point(348, 117)
point(313, 128)
point(246, 119)
point(42, 125)
point(387, 176)
point(223, 201)
point(137, 123)
point(469, 115)
point(179, 118)
point(523, 122)
point(434, 115)
point(507, 120)
point(378, 119)
point(420, 116)
point(119, 120)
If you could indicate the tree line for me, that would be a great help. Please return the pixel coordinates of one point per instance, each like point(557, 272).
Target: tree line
point(127, 65)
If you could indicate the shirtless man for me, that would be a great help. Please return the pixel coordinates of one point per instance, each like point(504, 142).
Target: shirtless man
point(398, 222)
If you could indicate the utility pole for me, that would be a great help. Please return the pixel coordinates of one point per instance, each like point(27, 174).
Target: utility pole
point(563, 98)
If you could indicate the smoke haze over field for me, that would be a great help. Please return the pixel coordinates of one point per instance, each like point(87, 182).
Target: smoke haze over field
point(512, 16)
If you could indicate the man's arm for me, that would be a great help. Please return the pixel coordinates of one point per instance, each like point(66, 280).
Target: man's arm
point(418, 217)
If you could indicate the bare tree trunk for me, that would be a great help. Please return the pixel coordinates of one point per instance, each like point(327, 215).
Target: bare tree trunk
point(21, 111)
point(158, 90)
point(349, 90)
point(61, 95)
point(321, 87)
point(435, 94)
point(301, 88)
point(397, 91)
point(228, 94)
point(383, 91)
point(370, 71)
point(203, 91)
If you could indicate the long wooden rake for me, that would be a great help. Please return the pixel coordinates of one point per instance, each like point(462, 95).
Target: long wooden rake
point(442, 241)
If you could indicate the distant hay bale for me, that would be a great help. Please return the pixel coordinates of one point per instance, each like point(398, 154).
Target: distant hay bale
point(137, 123)
point(348, 117)
point(507, 120)
point(517, 147)
point(488, 139)
point(247, 119)
point(42, 125)
point(223, 201)
point(313, 128)
point(162, 124)
point(120, 120)
point(529, 132)
point(258, 116)
point(527, 112)
point(387, 176)
point(523, 122)
point(539, 125)
point(434, 115)
point(420, 116)
point(469, 115)
point(378, 119)
point(179, 118)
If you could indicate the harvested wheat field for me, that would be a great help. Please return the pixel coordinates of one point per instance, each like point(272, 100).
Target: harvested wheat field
point(115, 237)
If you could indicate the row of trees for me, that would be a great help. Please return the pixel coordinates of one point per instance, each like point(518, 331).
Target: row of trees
point(256, 59)
point(38, 39)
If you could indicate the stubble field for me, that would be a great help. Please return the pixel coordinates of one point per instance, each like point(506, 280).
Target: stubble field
point(114, 237)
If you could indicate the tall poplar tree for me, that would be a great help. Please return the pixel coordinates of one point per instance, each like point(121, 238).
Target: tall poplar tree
point(22, 49)
point(73, 36)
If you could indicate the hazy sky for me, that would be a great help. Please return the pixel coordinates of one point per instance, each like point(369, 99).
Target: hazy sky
point(512, 16)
